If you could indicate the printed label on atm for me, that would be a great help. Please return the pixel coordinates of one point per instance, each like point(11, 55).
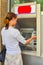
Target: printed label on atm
point(26, 9)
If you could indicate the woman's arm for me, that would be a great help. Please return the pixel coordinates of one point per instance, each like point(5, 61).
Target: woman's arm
point(30, 39)
point(21, 39)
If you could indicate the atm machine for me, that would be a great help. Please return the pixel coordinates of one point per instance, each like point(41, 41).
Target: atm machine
point(29, 25)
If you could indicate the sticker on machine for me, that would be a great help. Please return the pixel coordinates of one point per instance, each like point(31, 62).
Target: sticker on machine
point(26, 9)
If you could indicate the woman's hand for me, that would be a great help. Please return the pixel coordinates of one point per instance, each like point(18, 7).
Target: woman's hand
point(30, 39)
point(34, 37)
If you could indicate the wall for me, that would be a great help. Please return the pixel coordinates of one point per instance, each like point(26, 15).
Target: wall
point(0, 26)
point(3, 12)
point(0, 22)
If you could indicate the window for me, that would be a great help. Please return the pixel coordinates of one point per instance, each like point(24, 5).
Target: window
point(41, 2)
point(13, 2)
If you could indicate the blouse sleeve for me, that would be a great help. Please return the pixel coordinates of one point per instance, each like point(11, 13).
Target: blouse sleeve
point(19, 37)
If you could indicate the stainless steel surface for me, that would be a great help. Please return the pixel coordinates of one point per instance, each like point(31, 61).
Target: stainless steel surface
point(32, 60)
point(27, 28)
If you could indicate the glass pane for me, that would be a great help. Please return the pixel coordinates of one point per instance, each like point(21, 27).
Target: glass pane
point(20, 1)
point(26, 1)
point(41, 2)
point(42, 6)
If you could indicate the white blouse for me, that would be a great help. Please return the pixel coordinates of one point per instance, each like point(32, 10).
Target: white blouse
point(11, 38)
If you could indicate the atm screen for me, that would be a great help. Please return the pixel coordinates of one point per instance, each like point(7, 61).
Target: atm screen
point(26, 35)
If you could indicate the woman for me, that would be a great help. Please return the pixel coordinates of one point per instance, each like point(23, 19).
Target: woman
point(11, 38)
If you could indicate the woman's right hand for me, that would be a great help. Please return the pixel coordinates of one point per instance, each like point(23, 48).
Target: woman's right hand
point(34, 37)
point(30, 39)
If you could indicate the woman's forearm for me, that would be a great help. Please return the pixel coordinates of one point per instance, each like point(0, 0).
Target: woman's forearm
point(28, 40)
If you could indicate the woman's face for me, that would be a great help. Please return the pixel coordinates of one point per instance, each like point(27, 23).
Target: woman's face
point(13, 22)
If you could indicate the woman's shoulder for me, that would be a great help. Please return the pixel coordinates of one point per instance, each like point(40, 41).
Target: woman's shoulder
point(15, 30)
